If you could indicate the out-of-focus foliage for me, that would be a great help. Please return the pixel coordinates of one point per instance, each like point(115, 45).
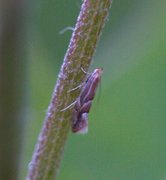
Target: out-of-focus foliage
point(127, 123)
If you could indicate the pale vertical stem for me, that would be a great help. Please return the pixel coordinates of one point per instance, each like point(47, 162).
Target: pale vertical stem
point(48, 152)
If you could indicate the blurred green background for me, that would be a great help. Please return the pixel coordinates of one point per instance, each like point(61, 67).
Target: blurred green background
point(127, 123)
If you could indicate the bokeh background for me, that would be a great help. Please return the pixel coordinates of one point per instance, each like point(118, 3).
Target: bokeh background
point(127, 122)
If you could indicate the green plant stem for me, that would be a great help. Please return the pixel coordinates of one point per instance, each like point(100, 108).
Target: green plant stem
point(48, 152)
point(12, 85)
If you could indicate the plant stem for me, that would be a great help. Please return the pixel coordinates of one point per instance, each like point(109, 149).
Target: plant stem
point(48, 152)
point(12, 85)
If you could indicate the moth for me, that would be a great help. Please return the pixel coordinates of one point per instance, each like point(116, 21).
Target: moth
point(84, 101)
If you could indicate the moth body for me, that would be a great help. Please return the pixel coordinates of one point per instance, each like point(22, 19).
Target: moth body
point(84, 102)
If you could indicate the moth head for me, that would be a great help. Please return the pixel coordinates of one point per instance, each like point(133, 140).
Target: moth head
point(81, 126)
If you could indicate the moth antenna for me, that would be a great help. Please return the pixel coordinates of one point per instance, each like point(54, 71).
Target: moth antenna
point(69, 28)
point(77, 87)
point(69, 106)
point(85, 71)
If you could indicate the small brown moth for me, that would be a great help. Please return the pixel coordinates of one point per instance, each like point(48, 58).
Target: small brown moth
point(84, 101)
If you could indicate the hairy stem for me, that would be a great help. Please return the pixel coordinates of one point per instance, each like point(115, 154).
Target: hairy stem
point(48, 152)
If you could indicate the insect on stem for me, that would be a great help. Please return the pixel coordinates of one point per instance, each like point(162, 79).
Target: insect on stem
point(84, 101)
